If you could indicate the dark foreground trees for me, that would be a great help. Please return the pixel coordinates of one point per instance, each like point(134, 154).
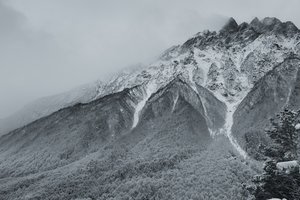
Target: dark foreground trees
point(281, 178)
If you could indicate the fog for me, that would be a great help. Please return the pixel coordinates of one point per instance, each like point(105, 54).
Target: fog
point(51, 46)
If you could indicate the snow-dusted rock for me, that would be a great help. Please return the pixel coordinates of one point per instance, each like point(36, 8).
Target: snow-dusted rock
point(287, 166)
point(277, 199)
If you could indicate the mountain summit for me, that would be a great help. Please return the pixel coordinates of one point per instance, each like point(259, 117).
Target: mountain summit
point(274, 25)
point(186, 126)
point(230, 27)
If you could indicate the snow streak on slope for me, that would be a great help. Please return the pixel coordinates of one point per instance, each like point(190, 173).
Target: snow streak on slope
point(193, 85)
point(150, 89)
point(290, 88)
point(231, 108)
point(175, 102)
point(228, 126)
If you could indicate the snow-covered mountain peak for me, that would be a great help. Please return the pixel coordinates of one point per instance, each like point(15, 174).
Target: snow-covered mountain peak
point(230, 27)
point(228, 65)
point(227, 62)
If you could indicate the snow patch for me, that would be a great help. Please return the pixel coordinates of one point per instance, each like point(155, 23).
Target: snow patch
point(193, 84)
point(289, 96)
point(232, 103)
point(287, 165)
point(149, 90)
point(277, 199)
point(175, 102)
point(297, 127)
point(228, 126)
point(290, 89)
point(204, 63)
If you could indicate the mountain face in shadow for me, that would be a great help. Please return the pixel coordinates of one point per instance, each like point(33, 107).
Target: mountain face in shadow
point(277, 90)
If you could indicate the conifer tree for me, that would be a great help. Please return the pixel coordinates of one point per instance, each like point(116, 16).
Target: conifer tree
point(275, 183)
point(284, 136)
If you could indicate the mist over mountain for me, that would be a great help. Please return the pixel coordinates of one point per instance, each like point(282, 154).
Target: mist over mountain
point(188, 126)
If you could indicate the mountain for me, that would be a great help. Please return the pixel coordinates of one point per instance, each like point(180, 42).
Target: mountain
point(188, 126)
point(47, 105)
point(235, 46)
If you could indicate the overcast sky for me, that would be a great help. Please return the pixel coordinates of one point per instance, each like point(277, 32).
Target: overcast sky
point(50, 46)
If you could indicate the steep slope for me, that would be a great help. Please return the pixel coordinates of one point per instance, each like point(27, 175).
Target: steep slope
point(67, 135)
point(279, 88)
point(71, 133)
point(170, 146)
point(177, 106)
point(172, 120)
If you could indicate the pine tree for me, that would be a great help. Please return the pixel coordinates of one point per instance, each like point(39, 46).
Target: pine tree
point(284, 136)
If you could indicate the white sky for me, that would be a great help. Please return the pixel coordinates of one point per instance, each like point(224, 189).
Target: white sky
point(50, 46)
